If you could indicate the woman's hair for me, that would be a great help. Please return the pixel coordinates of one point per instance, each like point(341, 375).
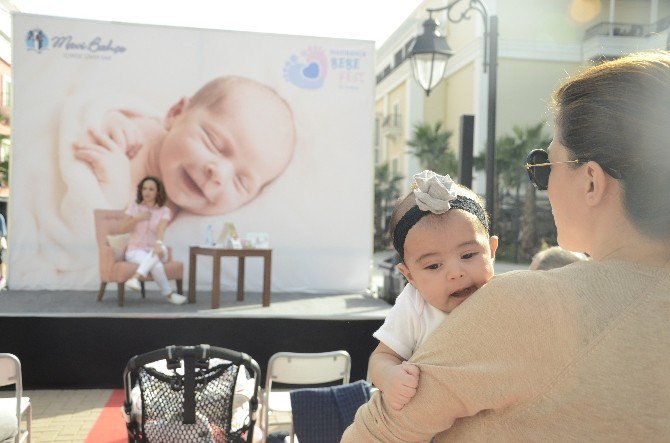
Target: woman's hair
point(618, 114)
point(161, 196)
point(406, 203)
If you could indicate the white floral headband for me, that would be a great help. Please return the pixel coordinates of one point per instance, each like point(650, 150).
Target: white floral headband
point(435, 194)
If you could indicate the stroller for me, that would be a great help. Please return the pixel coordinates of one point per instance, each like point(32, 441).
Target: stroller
point(208, 398)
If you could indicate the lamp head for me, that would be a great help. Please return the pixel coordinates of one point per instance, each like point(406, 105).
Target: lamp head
point(429, 54)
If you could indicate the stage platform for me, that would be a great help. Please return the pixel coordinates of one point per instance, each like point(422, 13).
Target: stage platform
point(67, 339)
point(283, 305)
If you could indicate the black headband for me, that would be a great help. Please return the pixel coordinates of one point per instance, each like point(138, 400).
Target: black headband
point(415, 214)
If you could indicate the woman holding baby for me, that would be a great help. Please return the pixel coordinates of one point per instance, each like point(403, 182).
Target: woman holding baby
point(578, 353)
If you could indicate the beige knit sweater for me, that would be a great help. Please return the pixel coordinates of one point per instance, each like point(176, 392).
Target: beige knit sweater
point(580, 353)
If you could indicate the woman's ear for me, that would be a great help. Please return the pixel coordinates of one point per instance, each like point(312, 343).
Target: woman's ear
point(175, 110)
point(597, 183)
point(404, 270)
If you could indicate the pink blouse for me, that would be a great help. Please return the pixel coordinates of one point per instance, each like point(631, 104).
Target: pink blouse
point(143, 236)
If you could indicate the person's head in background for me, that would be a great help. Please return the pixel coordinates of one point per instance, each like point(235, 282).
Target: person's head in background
point(613, 138)
point(440, 232)
point(150, 191)
point(554, 257)
point(225, 144)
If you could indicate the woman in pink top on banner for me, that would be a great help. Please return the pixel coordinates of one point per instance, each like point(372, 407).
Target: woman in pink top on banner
point(146, 220)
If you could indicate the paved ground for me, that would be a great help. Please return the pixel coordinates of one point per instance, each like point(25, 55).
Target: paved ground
point(65, 415)
point(69, 415)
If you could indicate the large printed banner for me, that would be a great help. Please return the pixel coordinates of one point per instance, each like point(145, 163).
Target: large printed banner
point(272, 133)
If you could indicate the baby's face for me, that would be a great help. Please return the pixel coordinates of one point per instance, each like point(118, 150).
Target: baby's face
point(214, 161)
point(448, 257)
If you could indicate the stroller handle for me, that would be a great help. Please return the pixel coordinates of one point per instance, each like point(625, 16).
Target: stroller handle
point(178, 352)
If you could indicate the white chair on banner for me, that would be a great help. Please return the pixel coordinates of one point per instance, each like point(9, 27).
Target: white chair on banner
point(12, 409)
point(299, 370)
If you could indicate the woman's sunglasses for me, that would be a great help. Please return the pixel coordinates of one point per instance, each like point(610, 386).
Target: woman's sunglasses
point(538, 168)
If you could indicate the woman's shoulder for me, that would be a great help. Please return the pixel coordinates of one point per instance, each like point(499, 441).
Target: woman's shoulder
point(579, 280)
point(522, 285)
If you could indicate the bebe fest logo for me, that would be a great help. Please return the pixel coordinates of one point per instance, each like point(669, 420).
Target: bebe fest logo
point(346, 66)
point(95, 46)
point(307, 70)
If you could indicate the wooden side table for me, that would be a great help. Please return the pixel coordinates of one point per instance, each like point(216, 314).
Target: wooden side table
point(216, 254)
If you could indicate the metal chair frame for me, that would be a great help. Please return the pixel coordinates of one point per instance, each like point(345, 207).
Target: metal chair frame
point(300, 369)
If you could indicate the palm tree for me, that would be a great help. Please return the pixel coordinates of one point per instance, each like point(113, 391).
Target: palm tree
point(530, 137)
point(430, 144)
point(511, 150)
point(386, 192)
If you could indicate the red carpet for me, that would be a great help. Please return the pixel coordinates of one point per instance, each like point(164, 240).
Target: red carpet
point(110, 426)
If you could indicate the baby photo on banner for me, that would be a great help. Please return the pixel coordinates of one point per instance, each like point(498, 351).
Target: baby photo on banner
point(271, 133)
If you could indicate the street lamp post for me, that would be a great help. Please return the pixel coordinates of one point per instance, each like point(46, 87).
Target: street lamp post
point(429, 54)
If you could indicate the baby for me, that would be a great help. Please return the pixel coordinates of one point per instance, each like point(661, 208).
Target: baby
point(214, 152)
point(440, 232)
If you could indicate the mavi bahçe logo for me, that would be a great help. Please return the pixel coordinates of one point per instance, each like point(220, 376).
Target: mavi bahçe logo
point(36, 40)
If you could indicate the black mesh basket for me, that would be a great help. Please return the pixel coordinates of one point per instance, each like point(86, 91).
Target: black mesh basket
point(192, 402)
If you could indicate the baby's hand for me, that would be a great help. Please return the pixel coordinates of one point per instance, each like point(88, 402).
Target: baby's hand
point(400, 384)
point(109, 165)
point(122, 131)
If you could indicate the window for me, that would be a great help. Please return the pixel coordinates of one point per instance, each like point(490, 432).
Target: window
point(408, 46)
point(377, 130)
point(396, 115)
point(398, 58)
point(5, 145)
point(6, 91)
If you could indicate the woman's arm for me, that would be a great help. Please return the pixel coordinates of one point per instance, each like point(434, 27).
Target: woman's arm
point(500, 348)
point(160, 231)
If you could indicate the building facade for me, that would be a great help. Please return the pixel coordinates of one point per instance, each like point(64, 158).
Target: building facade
point(540, 44)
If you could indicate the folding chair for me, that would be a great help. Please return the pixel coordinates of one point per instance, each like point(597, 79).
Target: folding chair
point(300, 369)
point(192, 397)
point(10, 374)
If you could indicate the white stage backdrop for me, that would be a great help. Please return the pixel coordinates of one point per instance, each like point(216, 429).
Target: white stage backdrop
point(73, 75)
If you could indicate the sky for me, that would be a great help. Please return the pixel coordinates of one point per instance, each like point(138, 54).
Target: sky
point(354, 19)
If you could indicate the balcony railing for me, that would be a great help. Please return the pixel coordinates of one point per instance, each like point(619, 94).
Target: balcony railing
point(392, 125)
point(392, 120)
point(611, 40)
point(627, 29)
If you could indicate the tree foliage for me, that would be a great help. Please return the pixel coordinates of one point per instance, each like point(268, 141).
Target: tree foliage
point(511, 152)
point(386, 193)
point(4, 166)
point(430, 144)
